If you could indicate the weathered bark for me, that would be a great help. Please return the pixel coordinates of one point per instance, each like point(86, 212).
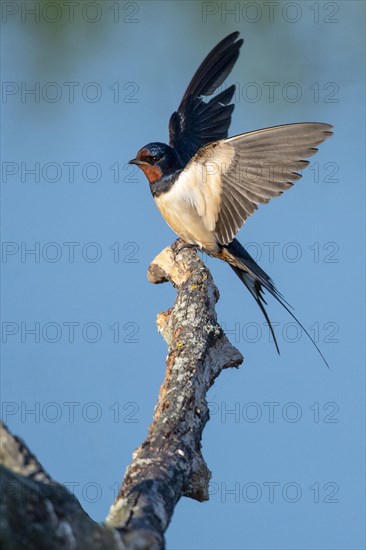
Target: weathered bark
point(39, 514)
point(169, 464)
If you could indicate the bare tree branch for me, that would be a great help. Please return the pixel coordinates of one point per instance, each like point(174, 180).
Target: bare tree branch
point(39, 514)
point(168, 465)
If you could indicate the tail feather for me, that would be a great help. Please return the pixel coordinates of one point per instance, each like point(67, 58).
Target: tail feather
point(255, 279)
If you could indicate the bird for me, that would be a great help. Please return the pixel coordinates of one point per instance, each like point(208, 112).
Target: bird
point(206, 184)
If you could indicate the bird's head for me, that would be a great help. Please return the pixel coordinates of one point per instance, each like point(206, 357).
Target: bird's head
point(157, 160)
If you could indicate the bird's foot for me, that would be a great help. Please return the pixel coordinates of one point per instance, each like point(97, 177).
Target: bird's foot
point(178, 246)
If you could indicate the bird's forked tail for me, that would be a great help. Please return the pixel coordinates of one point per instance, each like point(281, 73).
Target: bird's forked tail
point(256, 280)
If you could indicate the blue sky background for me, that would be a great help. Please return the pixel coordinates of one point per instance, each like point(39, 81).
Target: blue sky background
point(286, 438)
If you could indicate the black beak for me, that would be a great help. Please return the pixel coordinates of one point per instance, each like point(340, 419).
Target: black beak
point(135, 161)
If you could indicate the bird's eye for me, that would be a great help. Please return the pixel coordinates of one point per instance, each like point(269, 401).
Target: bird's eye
point(151, 159)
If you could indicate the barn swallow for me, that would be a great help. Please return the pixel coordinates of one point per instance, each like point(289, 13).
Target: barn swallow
point(206, 185)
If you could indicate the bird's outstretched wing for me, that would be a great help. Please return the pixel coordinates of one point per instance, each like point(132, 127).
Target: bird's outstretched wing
point(196, 122)
point(226, 180)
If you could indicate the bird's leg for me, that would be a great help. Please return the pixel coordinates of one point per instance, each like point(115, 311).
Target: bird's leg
point(180, 245)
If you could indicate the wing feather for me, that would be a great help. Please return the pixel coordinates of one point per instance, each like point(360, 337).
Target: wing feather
point(229, 178)
point(265, 163)
point(196, 122)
